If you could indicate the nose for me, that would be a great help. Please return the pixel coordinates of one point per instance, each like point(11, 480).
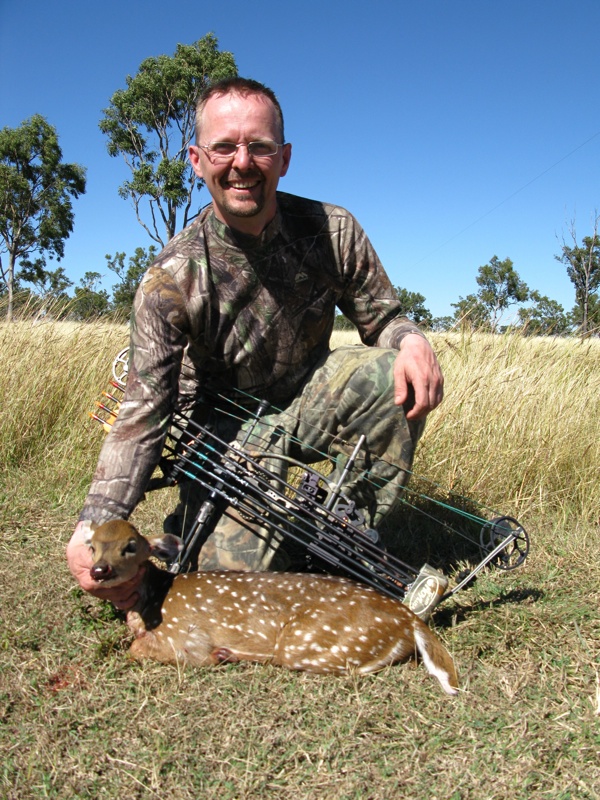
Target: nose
point(101, 572)
point(242, 157)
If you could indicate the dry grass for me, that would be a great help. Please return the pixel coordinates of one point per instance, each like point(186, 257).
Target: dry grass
point(518, 430)
point(520, 424)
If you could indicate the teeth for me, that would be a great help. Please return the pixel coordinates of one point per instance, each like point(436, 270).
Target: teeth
point(242, 185)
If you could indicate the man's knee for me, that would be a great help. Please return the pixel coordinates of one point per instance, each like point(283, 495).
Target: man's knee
point(240, 544)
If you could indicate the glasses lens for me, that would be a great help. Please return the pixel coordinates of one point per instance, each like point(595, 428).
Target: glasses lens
point(264, 148)
point(222, 148)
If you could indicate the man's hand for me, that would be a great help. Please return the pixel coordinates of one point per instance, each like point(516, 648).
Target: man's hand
point(418, 379)
point(123, 596)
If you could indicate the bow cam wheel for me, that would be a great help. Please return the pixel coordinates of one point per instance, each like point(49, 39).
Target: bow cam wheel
point(501, 529)
point(120, 367)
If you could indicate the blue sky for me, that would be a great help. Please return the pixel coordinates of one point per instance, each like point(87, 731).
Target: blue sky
point(454, 130)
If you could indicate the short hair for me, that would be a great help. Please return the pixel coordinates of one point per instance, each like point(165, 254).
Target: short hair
point(237, 85)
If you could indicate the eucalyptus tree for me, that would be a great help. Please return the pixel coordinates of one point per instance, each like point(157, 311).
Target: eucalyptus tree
point(129, 276)
point(583, 268)
point(500, 287)
point(36, 194)
point(469, 312)
point(89, 301)
point(592, 316)
point(545, 317)
point(151, 124)
point(413, 305)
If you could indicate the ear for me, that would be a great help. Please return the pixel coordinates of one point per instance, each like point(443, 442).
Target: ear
point(195, 161)
point(287, 157)
point(165, 547)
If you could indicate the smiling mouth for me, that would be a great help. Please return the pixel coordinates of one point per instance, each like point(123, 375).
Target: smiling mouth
point(242, 185)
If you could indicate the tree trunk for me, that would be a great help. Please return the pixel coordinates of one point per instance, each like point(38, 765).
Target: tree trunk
point(9, 283)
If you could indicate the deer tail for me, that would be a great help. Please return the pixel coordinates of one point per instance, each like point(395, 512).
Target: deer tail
point(436, 658)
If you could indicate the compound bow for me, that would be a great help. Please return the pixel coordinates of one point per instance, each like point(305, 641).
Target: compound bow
point(309, 509)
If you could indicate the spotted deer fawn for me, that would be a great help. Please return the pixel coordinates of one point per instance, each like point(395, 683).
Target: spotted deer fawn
point(316, 623)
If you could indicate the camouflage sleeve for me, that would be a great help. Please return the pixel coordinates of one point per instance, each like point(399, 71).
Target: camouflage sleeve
point(395, 331)
point(133, 446)
point(370, 301)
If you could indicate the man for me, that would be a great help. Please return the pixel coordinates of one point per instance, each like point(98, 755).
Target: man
point(244, 298)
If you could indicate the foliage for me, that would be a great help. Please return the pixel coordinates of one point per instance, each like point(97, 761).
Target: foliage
point(50, 285)
point(151, 124)
point(471, 313)
point(592, 320)
point(342, 323)
point(583, 268)
point(129, 277)
point(500, 287)
point(89, 301)
point(413, 306)
point(38, 290)
point(36, 193)
point(446, 323)
point(545, 317)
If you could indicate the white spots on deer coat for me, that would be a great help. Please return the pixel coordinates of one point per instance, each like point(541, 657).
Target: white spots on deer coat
point(311, 622)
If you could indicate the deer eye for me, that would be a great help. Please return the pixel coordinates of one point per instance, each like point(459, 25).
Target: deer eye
point(129, 549)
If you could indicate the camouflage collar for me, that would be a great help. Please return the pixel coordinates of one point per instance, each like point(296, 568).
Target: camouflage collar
point(246, 241)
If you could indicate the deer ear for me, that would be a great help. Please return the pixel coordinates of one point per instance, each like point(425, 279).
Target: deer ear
point(165, 547)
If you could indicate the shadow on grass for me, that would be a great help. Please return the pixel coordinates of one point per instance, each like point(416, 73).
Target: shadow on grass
point(449, 616)
point(443, 532)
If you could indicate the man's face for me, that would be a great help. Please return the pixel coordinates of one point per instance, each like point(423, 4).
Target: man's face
point(242, 188)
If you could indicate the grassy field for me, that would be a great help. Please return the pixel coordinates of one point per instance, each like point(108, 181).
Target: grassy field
point(519, 431)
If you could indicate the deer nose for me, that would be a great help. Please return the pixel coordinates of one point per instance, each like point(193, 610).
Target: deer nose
point(101, 572)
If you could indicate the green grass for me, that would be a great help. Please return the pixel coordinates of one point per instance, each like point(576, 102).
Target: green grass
point(519, 430)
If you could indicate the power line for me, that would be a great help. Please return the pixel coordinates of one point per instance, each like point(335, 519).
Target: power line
point(506, 199)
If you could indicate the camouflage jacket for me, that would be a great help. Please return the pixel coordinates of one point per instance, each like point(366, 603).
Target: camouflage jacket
point(226, 310)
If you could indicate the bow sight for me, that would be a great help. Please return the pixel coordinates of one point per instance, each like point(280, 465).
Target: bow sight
point(302, 506)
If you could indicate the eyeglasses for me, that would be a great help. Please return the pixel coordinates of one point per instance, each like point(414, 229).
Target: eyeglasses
point(223, 151)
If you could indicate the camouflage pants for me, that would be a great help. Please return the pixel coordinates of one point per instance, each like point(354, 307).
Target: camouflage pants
point(349, 393)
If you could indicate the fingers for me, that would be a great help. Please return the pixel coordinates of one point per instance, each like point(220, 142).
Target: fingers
point(426, 398)
point(79, 557)
point(418, 379)
point(427, 392)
